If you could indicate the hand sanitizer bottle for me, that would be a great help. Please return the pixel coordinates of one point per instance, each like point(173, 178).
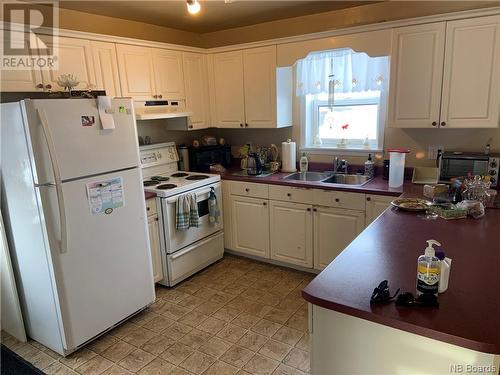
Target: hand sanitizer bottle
point(428, 271)
point(304, 163)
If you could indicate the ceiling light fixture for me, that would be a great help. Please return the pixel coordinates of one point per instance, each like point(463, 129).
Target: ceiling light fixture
point(193, 6)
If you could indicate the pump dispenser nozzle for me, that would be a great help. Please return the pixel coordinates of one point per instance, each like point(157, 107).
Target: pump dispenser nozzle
point(430, 251)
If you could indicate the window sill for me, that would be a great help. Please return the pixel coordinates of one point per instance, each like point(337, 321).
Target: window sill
point(340, 151)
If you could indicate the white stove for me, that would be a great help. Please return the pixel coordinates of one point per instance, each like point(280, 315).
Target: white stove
point(161, 175)
point(183, 252)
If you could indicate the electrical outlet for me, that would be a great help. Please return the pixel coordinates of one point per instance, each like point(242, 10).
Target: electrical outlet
point(432, 152)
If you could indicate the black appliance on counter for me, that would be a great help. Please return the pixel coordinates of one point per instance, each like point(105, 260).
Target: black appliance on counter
point(201, 158)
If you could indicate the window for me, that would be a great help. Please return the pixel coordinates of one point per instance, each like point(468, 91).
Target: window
point(355, 120)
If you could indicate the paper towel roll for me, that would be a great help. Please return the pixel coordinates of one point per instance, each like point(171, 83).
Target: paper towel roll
point(288, 156)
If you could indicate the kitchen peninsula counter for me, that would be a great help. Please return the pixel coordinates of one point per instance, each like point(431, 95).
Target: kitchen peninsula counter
point(468, 318)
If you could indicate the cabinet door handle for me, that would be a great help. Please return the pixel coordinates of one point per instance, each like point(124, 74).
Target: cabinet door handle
point(337, 200)
point(160, 96)
point(39, 86)
point(48, 86)
point(315, 209)
point(190, 126)
point(443, 123)
point(241, 125)
point(156, 219)
point(148, 208)
point(368, 199)
point(308, 208)
point(155, 96)
point(434, 123)
point(247, 190)
point(264, 203)
point(246, 125)
point(288, 194)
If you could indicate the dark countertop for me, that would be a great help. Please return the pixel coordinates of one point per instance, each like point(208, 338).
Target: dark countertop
point(469, 311)
point(148, 195)
point(376, 186)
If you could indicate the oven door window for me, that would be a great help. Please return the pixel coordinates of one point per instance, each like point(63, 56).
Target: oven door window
point(203, 208)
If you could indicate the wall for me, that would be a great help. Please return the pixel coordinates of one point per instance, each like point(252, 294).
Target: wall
point(80, 21)
point(361, 15)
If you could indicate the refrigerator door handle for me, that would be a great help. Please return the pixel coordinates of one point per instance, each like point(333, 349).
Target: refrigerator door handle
point(63, 243)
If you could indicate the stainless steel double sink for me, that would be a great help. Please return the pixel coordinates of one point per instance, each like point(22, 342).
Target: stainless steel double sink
point(329, 178)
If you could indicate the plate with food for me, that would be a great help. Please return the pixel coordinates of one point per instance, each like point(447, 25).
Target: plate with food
point(411, 204)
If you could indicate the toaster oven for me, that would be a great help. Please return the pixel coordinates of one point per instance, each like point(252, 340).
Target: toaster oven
point(457, 164)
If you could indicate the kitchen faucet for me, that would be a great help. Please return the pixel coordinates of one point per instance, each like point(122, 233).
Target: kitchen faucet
point(340, 165)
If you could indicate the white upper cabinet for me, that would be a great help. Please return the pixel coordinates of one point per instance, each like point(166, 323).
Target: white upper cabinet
point(471, 83)
point(259, 67)
point(137, 77)
point(106, 67)
point(74, 57)
point(246, 87)
point(416, 75)
point(228, 93)
point(169, 76)
point(446, 75)
point(196, 89)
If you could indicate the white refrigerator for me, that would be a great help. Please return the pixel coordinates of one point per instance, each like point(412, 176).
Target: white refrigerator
point(74, 209)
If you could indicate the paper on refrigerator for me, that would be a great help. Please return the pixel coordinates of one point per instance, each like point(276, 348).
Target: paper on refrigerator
point(105, 112)
point(105, 196)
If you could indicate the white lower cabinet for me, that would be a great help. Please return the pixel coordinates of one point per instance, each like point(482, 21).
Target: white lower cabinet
point(154, 239)
point(292, 233)
point(250, 225)
point(375, 205)
point(334, 229)
point(303, 227)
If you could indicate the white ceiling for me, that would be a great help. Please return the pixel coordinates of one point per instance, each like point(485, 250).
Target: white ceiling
point(214, 15)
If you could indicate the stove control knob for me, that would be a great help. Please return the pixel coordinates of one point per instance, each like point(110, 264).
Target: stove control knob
point(493, 164)
point(158, 155)
point(493, 180)
point(492, 173)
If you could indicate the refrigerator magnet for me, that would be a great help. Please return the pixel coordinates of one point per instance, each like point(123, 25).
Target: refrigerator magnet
point(87, 120)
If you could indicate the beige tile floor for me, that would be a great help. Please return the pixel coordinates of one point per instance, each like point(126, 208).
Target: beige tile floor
point(238, 316)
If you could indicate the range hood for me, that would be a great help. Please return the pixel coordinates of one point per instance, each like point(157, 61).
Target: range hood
point(161, 109)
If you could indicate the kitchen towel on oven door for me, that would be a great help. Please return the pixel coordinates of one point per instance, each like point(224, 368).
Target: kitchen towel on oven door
point(186, 212)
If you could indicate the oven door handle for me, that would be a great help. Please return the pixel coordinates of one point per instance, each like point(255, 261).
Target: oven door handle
point(198, 194)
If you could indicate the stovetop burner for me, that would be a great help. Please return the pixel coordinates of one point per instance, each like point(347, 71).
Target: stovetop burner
point(166, 186)
point(179, 174)
point(150, 183)
point(159, 178)
point(197, 177)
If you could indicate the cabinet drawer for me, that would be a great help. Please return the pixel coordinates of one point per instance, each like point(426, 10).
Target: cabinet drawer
point(151, 206)
point(250, 189)
point(291, 194)
point(339, 199)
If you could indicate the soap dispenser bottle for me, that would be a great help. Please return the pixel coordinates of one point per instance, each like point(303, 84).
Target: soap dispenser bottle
point(304, 163)
point(428, 270)
point(369, 167)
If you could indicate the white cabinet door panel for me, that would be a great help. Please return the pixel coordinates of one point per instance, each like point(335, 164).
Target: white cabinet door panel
point(471, 84)
point(375, 205)
point(154, 243)
point(250, 225)
point(416, 75)
point(74, 57)
point(292, 233)
point(169, 76)
point(106, 67)
point(228, 92)
point(259, 65)
point(334, 229)
point(196, 88)
point(135, 65)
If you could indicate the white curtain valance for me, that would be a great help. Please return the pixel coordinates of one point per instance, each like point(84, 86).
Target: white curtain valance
point(353, 72)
